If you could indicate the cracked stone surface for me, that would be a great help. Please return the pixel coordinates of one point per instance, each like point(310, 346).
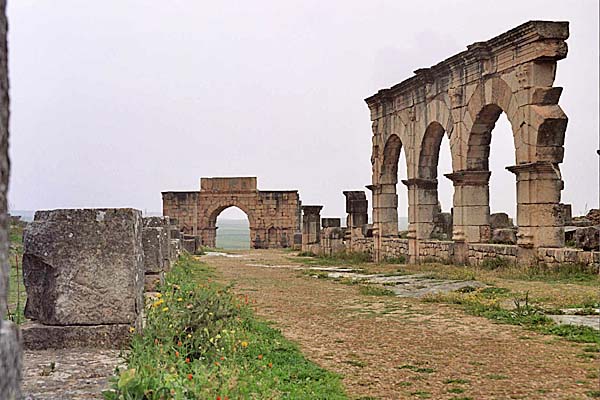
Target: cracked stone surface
point(78, 374)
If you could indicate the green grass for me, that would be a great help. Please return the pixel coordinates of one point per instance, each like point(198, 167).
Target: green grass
point(201, 341)
point(16, 289)
point(487, 303)
point(344, 258)
point(373, 290)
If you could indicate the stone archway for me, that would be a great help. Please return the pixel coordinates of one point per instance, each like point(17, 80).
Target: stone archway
point(463, 97)
point(274, 216)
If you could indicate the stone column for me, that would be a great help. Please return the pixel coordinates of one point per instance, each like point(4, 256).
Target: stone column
point(311, 227)
point(471, 212)
point(540, 216)
point(10, 343)
point(423, 206)
point(357, 209)
point(385, 206)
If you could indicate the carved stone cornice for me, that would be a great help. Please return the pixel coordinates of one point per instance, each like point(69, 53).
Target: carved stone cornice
point(531, 41)
point(469, 178)
point(420, 183)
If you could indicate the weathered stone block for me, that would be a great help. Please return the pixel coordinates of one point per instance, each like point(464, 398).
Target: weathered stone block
point(189, 245)
point(42, 337)
point(84, 267)
point(152, 243)
point(500, 221)
point(588, 238)
point(505, 235)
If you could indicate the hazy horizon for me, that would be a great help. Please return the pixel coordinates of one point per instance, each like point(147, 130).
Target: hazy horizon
point(113, 102)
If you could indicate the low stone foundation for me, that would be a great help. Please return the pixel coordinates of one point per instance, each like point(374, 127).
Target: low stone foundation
point(477, 253)
point(42, 337)
point(394, 248)
point(435, 251)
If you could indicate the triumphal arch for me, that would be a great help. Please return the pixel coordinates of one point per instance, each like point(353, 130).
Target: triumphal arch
point(462, 98)
point(274, 216)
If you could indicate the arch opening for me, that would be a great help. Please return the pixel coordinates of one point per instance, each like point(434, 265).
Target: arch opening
point(495, 209)
point(434, 216)
point(233, 229)
point(394, 166)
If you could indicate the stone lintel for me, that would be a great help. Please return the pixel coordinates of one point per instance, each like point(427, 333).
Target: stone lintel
point(420, 183)
point(311, 210)
point(469, 178)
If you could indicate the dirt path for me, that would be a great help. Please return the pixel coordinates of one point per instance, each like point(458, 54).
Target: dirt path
point(397, 348)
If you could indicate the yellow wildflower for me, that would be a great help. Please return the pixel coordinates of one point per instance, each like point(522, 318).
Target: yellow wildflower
point(244, 344)
point(131, 329)
point(166, 309)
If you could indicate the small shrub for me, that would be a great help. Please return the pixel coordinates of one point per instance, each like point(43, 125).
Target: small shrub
point(495, 263)
point(372, 290)
point(306, 254)
point(396, 260)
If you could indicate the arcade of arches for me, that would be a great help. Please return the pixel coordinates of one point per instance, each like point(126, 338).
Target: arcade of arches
point(274, 216)
point(462, 98)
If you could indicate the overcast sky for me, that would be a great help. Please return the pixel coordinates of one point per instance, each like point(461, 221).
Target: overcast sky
point(114, 101)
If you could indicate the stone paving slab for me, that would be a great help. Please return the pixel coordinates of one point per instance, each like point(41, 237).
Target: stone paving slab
point(78, 374)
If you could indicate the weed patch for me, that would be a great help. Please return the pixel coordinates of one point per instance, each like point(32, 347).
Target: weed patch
point(201, 341)
point(372, 290)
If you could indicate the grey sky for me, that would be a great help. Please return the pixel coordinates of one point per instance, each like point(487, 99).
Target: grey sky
point(116, 100)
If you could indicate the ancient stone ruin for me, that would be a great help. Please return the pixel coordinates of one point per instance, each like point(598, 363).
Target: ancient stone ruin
point(462, 97)
point(156, 244)
point(274, 216)
point(10, 347)
point(83, 270)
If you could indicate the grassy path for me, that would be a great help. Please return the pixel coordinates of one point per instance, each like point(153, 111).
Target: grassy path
point(397, 348)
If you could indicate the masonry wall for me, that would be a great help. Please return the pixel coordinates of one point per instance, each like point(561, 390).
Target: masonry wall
point(274, 216)
point(184, 207)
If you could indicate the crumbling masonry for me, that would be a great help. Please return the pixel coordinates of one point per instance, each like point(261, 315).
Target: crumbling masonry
point(462, 98)
point(274, 216)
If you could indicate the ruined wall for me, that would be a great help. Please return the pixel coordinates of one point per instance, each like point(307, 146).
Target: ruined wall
point(461, 98)
point(274, 216)
point(184, 207)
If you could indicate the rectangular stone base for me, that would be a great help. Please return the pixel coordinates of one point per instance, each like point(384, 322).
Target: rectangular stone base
point(41, 337)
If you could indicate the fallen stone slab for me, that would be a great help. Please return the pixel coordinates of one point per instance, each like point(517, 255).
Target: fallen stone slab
point(41, 337)
point(593, 321)
point(84, 267)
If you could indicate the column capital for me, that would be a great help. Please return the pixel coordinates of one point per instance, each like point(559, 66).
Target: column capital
point(420, 183)
point(469, 178)
point(314, 210)
point(535, 167)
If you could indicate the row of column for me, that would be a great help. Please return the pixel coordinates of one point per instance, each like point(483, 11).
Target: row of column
point(540, 216)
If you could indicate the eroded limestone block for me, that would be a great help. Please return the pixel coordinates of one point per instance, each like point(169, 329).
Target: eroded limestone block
point(588, 238)
point(174, 249)
point(505, 236)
point(84, 267)
point(41, 337)
point(500, 221)
point(189, 245)
point(153, 245)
